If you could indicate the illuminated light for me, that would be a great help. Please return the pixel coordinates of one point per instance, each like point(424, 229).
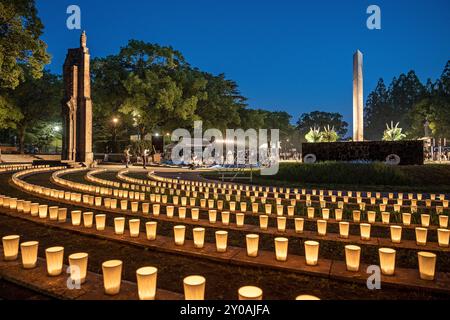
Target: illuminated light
point(62, 214)
point(212, 215)
point(170, 210)
point(34, 209)
point(311, 253)
point(88, 218)
point(100, 222)
point(425, 220)
point(385, 217)
point(112, 276)
point(156, 210)
point(134, 207)
point(134, 225)
point(439, 209)
point(299, 224)
point(280, 209)
point(113, 203)
point(344, 228)
point(75, 217)
point(252, 241)
point(250, 293)
point(150, 229)
point(322, 227)
point(325, 213)
point(179, 234)
point(310, 212)
point(221, 241)
point(26, 206)
point(29, 252)
point(13, 203)
point(443, 237)
point(281, 248)
point(427, 265)
point(382, 207)
point(243, 206)
point(352, 257)
point(194, 288)
point(306, 297)
point(54, 257)
point(338, 214)
point(291, 211)
point(53, 213)
point(98, 201)
point(356, 216)
point(387, 261)
point(421, 236)
point(199, 237)
point(182, 213)
point(10, 247)
point(443, 221)
point(340, 205)
point(396, 234)
point(240, 220)
point(123, 204)
point(371, 216)
point(406, 218)
point(268, 208)
point(397, 207)
point(146, 282)
point(365, 231)
point(225, 216)
point(281, 224)
point(119, 225)
point(263, 222)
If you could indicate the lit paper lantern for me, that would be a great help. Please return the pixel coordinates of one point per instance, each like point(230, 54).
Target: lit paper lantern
point(199, 237)
point(150, 229)
point(195, 213)
point(252, 241)
point(243, 206)
point(156, 210)
point(134, 225)
point(240, 220)
point(123, 204)
point(112, 276)
point(387, 261)
point(344, 228)
point(134, 207)
point(385, 217)
point(281, 224)
point(225, 216)
point(365, 231)
point(75, 217)
point(325, 213)
point(281, 248)
point(443, 237)
point(356, 216)
point(146, 282)
point(170, 210)
point(119, 225)
point(221, 241)
point(406, 219)
point(268, 208)
point(212, 215)
point(306, 297)
point(10, 247)
point(250, 293)
point(310, 212)
point(352, 257)
point(299, 224)
point(396, 234)
point(194, 288)
point(427, 265)
point(62, 214)
point(255, 207)
point(145, 208)
point(338, 214)
point(53, 213)
point(182, 213)
point(54, 257)
point(34, 209)
point(443, 221)
point(425, 220)
point(232, 206)
point(29, 252)
point(371, 216)
point(100, 222)
point(421, 236)
point(263, 222)
point(311, 252)
point(322, 227)
point(179, 235)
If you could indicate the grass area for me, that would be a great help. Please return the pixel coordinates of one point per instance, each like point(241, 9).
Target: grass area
point(352, 176)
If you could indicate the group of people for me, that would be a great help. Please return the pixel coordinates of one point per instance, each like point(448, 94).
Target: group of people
point(144, 154)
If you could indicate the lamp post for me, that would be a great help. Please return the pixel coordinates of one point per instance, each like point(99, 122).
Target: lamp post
point(115, 121)
point(56, 130)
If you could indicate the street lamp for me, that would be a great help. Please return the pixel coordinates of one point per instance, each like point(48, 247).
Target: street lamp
point(56, 129)
point(115, 121)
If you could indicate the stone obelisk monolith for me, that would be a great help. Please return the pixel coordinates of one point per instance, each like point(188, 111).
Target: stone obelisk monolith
point(358, 100)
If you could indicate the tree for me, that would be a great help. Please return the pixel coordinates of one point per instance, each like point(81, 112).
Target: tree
point(321, 119)
point(20, 46)
point(377, 112)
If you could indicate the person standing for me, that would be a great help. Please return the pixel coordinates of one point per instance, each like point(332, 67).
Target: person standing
point(145, 155)
point(127, 155)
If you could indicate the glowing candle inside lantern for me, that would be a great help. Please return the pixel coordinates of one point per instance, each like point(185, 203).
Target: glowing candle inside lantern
point(291, 211)
point(100, 222)
point(322, 227)
point(119, 225)
point(425, 220)
point(281, 224)
point(306, 297)
point(98, 201)
point(356, 215)
point(338, 214)
point(250, 293)
point(311, 252)
point(75, 216)
point(325, 213)
point(134, 225)
point(170, 211)
point(29, 252)
point(123, 204)
point(156, 209)
point(443, 221)
point(443, 237)
point(113, 203)
point(385, 217)
point(240, 219)
point(88, 219)
point(225, 216)
point(427, 265)
point(145, 208)
point(344, 228)
point(396, 234)
point(387, 261)
point(280, 209)
point(221, 241)
point(421, 236)
point(54, 257)
point(53, 213)
point(243, 206)
point(365, 231)
point(255, 207)
point(26, 206)
point(10, 247)
point(43, 211)
point(263, 222)
point(371, 216)
point(182, 213)
point(268, 208)
point(199, 237)
point(281, 248)
point(406, 218)
point(194, 288)
point(146, 282)
point(310, 212)
point(212, 215)
point(112, 276)
point(252, 241)
point(134, 207)
point(299, 224)
point(352, 257)
point(150, 228)
point(179, 234)
point(232, 206)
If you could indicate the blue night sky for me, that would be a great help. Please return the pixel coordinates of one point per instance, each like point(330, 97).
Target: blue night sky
point(294, 56)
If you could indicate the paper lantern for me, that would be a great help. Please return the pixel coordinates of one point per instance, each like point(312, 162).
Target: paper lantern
point(10, 247)
point(268, 208)
point(199, 237)
point(240, 219)
point(397, 207)
point(311, 252)
point(371, 216)
point(299, 224)
point(150, 229)
point(352, 257)
point(29, 252)
point(281, 248)
point(306, 297)
point(365, 231)
point(280, 209)
point(427, 265)
point(113, 203)
point(421, 236)
point(443, 237)
point(225, 216)
point(134, 207)
point(338, 214)
point(425, 220)
point(170, 210)
point(396, 234)
point(310, 212)
point(232, 205)
point(387, 261)
point(13, 203)
point(184, 201)
point(34, 209)
point(123, 204)
point(406, 219)
point(53, 213)
point(263, 222)
point(62, 214)
point(156, 210)
point(100, 222)
point(325, 213)
point(182, 213)
point(88, 219)
point(340, 204)
point(194, 288)
point(192, 201)
point(322, 227)
point(179, 234)
point(221, 241)
point(107, 202)
point(26, 206)
point(75, 217)
point(281, 224)
point(98, 201)
point(382, 207)
point(112, 276)
point(344, 228)
point(145, 207)
point(443, 221)
point(134, 225)
point(255, 207)
point(119, 225)
point(146, 282)
point(54, 257)
point(356, 216)
point(252, 241)
point(250, 293)
point(243, 206)
point(385, 217)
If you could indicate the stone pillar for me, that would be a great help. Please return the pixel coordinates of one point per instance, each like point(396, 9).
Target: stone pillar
point(358, 99)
